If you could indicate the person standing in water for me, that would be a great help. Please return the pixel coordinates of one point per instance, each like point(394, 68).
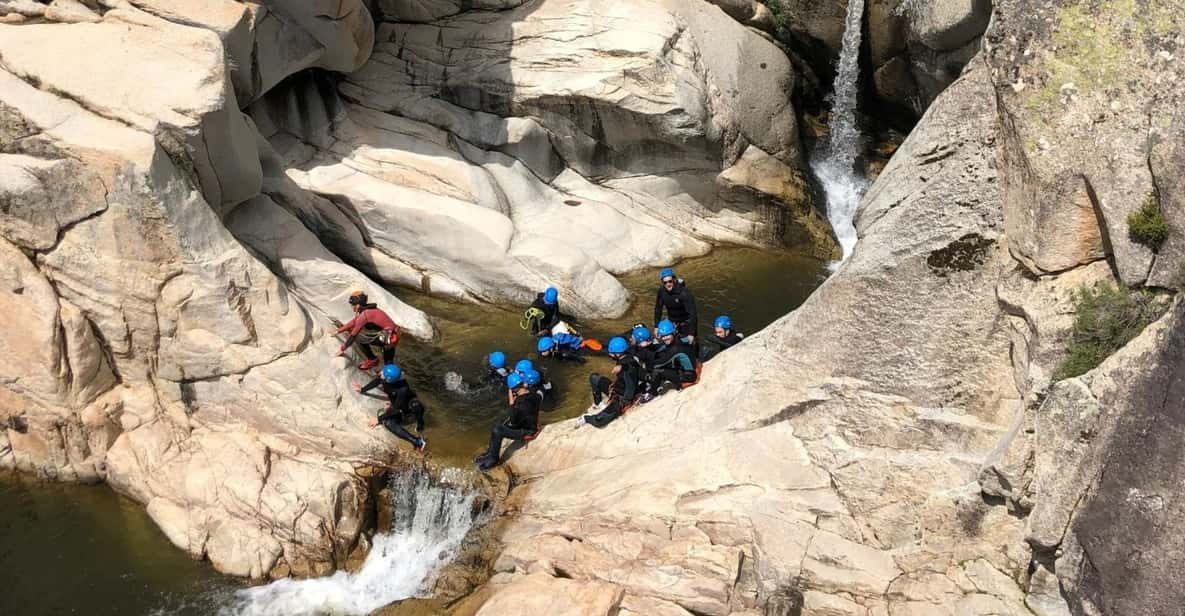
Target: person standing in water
point(370, 326)
point(402, 406)
point(544, 313)
point(675, 298)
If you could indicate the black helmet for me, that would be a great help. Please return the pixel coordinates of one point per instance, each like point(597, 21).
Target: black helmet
point(358, 298)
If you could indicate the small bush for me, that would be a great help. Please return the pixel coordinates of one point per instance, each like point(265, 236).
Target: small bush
point(778, 11)
point(1147, 225)
point(1106, 318)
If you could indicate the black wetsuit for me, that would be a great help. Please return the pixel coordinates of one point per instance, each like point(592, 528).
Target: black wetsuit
point(404, 405)
point(621, 392)
point(680, 307)
point(713, 344)
point(674, 362)
point(523, 420)
point(551, 316)
point(645, 356)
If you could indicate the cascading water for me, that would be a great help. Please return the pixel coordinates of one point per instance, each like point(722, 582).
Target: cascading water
point(430, 521)
point(834, 164)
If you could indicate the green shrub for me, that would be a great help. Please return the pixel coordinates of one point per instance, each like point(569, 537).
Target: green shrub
point(1106, 318)
point(1147, 225)
point(778, 11)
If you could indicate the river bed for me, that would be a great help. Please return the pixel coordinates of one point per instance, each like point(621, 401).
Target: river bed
point(71, 549)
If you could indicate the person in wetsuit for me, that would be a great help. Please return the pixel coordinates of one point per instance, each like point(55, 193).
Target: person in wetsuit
point(643, 349)
point(723, 337)
point(521, 421)
point(539, 383)
point(402, 406)
point(495, 368)
point(675, 298)
point(567, 347)
point(613, 398)
point(672, 366)
point(370, 326)
point(544, 313)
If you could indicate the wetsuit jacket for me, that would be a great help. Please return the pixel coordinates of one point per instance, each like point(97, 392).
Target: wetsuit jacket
point(551, 314)
point(680, 306)
point(370, 319)
point(524, 413)
point(714, 344)
point(399, 394)
point(677, 356)
point(625, 386)
point(645, 354)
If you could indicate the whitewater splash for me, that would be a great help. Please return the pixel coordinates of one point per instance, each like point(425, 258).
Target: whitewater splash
point(835, 164)
point(455, 383)
point(431, 520)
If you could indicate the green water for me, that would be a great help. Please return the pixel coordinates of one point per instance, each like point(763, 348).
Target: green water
point(69, 549)
point(74, 549)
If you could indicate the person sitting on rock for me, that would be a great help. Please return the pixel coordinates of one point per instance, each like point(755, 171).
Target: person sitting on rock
point(520, 422)
point(370, 326)
point(674, 296)
point(643, 349)
point(540, 384)
point(566, 346)
point(723, 337)
point(673, 366)
point(611, 400)
point(402, 406)
point(544, 313)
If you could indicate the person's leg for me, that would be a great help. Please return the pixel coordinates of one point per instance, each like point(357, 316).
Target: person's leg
point(388, 354)
point(364, 347)
point(602, 419)
point(600, 387)
point(417, 411)
point(391, 425)
point(500, 432)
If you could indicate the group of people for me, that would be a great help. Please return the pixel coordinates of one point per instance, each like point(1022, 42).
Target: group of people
point(647, 363)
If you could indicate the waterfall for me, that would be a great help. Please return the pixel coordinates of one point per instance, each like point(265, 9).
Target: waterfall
point(834, 164)
point(430, 521)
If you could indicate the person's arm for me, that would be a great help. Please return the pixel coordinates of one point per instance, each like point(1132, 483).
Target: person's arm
point(347, 326)
point(657, 308)
point(371, 385)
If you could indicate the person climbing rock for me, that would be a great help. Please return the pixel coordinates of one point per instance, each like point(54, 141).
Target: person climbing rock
point(672, 366)
point(370, 326)
point(611, 399)
point(402, 406)
point(566, 346)
point(544, 314)
point(722, 337)
point(521, 421)
point(674, 296)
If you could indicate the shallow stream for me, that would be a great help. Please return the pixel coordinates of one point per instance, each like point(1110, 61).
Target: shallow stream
point(69, 549)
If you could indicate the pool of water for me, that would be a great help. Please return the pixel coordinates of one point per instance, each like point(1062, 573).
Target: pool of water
point(754, 287)
point(71, 549)
point(74, 549)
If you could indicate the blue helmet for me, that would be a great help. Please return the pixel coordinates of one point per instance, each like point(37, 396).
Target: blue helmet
point(523, 365)
point(532, 378)
point(641, 334)
point(546, 344)
point(391, 373)
point(666, 328)
point(513, 380)
point(551, 296)
point(667, 272)
point(497, 360)
point(723, 322)
point(618, 345)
